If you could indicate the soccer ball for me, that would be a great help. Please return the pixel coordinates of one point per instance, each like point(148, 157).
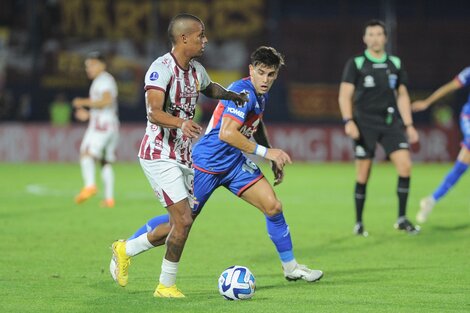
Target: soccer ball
point(237, 283)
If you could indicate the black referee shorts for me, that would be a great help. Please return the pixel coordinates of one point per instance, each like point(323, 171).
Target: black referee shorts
point(391, 138)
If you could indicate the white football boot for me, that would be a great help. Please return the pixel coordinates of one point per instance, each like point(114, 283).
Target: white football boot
point(426, 206)
point(303, 272)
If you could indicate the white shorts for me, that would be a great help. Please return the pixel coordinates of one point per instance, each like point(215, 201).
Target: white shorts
point(170, 180)
point(101, 144)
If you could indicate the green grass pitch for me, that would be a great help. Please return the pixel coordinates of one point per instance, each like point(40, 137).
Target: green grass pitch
point(55, 254)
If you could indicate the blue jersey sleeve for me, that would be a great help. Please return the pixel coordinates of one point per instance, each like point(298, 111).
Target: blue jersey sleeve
point(464, 77)
point(239, 113)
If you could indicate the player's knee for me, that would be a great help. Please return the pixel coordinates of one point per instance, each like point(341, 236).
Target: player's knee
point(273, 208)
point(405, 168)
point(184, 223)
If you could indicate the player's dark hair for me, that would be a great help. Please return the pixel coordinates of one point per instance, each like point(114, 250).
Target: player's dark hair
point(267, 56)
point(177, 18)
point(375, 22)
point(96, 55)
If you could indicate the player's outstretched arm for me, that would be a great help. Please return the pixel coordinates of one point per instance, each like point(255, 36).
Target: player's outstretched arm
point(105, 101)
point(216, 91)
point(156, 115)
point(442, 91)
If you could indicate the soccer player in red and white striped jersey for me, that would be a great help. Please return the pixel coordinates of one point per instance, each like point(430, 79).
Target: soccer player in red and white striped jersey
point(172, 85)
point(101, 137)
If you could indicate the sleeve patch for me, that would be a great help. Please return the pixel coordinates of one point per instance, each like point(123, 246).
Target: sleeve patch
point(153, 76)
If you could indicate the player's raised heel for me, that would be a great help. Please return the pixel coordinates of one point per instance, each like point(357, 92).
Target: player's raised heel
point(426, 206)
point(85, 194)
point(303, 272)
point(119, 266)
point(168, 292)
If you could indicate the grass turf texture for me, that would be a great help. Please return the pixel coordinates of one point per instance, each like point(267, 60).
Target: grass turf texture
point(55, 254)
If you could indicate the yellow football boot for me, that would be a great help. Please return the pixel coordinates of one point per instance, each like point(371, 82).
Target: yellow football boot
point(119, 266)
point(168, 292)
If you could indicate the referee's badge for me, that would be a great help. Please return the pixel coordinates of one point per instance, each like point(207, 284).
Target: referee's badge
point(369, 81)
point(392, 81)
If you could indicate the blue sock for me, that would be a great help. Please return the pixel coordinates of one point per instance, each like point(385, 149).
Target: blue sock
point(151, 224)
point(279, 233)
point(451, 179)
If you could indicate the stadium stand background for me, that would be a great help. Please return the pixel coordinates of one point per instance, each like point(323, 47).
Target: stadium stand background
point(42, 45)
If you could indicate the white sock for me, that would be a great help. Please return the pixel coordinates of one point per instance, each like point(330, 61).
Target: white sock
point(107, 175)
point(138, 245)
point(87, 165)
point(168, 275)
point(289, 266)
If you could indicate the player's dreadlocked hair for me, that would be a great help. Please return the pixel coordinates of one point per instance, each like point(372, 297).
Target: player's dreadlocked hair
point(376, 23)
point(177, 18)
point(267, 56)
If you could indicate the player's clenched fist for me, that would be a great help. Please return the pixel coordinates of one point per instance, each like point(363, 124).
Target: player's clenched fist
point(191, 129)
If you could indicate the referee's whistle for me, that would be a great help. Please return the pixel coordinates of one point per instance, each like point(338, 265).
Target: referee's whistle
point(389, 116)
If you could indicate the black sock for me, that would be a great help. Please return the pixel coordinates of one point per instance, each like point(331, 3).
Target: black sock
point(402, 192)
point(360, 198)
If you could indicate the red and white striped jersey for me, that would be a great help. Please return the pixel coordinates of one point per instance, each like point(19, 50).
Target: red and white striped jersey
point(103, 119)
point(181, 88)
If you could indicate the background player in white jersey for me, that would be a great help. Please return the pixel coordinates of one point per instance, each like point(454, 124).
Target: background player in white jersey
point(101, 137)
point(463, 159)
point(172, 85)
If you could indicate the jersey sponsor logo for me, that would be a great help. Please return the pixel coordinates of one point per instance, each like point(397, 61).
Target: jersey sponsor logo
point(236, 112)
point(153, 76)
point(369, 81)
point(182, 110)
point(380, 65)
point(248, 130)
point(189, 91)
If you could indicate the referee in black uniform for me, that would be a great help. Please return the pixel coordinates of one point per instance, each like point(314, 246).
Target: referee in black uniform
point(376, 83)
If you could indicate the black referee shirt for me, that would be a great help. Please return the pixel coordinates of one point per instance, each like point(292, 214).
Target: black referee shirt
point(375, 81)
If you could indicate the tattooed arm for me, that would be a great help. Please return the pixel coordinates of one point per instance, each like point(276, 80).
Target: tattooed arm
point(216, 91)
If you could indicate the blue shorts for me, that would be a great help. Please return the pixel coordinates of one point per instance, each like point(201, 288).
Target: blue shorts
point(465, 127)
point(238, 179)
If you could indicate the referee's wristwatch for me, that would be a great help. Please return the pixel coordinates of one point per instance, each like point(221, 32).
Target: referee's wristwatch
point(347, 120)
